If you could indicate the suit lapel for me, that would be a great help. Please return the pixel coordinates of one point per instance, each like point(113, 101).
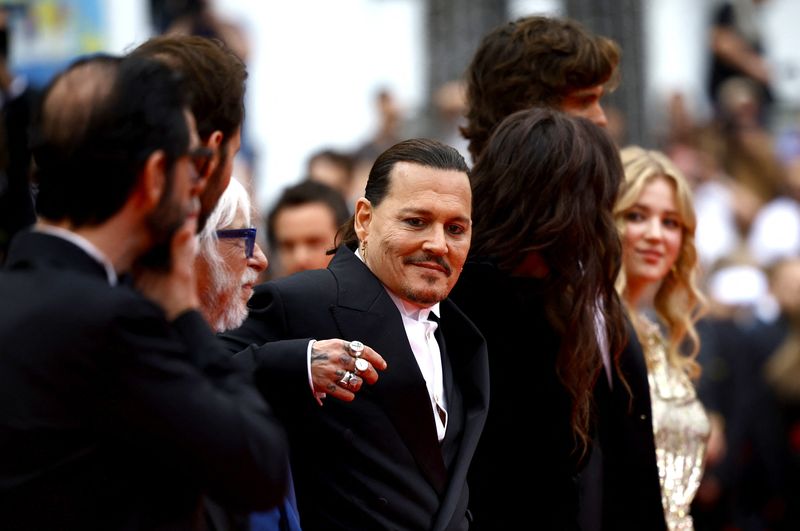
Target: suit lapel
point(365, 312)
point(466, 351)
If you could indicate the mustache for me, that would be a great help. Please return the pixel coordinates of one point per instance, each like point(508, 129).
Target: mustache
point(439, 260)
point(250, 276)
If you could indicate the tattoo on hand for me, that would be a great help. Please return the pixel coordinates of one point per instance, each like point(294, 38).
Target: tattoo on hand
point(318, 356)
point(331, 388)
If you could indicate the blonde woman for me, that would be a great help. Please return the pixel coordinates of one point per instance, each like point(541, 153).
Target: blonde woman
point(656, 219)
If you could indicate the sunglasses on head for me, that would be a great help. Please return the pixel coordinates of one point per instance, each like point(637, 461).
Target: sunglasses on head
point(249, 236)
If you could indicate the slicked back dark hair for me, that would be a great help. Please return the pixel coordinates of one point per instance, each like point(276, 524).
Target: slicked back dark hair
point(217, 77)
point(422, 151)
point(533, 61)
point(98, 123)
point(547, 183)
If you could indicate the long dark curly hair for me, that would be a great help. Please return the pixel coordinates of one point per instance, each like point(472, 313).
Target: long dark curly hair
point(547, 184)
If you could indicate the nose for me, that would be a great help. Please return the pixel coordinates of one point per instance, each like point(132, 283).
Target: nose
point(654, 229)
point(259, 260)
point(598, 115)
point(306, 257)
point(436, 243)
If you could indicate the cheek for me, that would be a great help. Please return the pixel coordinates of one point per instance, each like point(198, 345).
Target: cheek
point(629, 237)
point(674, 245)
point(396, 243)
point(458, 252)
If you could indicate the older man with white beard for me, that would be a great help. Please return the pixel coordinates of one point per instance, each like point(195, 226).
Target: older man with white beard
point(229, 261)
point(227, 268)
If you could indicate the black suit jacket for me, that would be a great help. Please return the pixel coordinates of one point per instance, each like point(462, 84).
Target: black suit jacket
point(374, 463)
point(622, 492)
point(631, 492)
point(113, 418)
point(527, 398)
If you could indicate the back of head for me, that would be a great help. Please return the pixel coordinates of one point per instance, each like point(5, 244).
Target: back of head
point(421, 151)
point(217, 77)
point(531, 61)
point(98, 123)
point(304, 193)
point(546, 183)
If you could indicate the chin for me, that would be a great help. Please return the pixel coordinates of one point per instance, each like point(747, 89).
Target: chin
point(426, 296)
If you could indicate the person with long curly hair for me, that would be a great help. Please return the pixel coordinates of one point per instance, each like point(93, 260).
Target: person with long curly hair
point(544, 258)
point(657, 223)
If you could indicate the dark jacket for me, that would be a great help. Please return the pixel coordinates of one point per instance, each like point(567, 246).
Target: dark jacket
point(113, 418)
point(376, 462)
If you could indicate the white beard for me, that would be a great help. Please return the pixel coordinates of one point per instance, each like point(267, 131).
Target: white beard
point(226, 316)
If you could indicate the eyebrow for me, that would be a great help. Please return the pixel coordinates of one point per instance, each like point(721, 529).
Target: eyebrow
point(648, 209)
point(427, 213)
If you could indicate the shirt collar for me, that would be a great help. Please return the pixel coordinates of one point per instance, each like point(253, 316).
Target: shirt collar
point(84, 244)
point(406, 308)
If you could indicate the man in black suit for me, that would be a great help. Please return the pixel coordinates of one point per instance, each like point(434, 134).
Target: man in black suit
point(396, 455)
point(118, 410)
point(557, 63)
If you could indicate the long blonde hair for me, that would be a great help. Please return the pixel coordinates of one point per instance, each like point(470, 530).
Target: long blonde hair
point(678, 301)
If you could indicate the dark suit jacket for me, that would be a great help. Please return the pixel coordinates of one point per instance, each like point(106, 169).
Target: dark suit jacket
point(527, 396)
point(374, 463)
point(631, 491)
point(112, 418)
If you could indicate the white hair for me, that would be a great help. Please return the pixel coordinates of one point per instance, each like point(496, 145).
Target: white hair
point(233, 201)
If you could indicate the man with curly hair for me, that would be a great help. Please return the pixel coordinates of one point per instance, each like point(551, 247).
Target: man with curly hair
point(537, 61)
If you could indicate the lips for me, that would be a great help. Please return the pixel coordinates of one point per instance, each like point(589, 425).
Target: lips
point(432, 267)
point(431, 262)
point(650, 255)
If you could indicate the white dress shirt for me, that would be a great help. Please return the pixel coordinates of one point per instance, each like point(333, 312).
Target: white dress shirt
point(420, 332)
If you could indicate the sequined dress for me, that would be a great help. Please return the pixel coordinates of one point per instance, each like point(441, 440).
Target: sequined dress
point(681, 428)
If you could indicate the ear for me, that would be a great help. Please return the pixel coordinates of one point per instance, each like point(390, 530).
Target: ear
point(153, 180)
point(213, 143)
point(363, 218)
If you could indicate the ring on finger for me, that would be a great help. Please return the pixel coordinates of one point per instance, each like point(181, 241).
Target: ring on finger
point(354, 383)
point(355, 348)
point(346, 378)
point(362, 365)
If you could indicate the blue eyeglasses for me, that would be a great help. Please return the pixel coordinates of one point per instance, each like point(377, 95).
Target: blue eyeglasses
point(249, 236)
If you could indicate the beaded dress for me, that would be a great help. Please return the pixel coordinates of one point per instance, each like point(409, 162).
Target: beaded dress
point(681, 428)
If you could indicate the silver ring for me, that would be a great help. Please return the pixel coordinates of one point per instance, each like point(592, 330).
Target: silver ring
point(362, 365)
point(355, 348)
point(346, 378)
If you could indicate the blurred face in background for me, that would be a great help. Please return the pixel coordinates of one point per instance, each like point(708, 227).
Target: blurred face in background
point(303, 235)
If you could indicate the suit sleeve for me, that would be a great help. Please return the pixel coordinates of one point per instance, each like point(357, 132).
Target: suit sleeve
point(208, 417)
point(262, 345)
